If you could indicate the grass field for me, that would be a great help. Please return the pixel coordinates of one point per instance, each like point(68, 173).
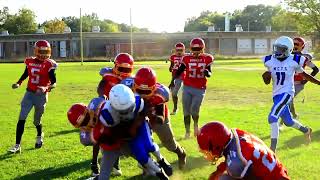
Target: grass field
point(236, 95)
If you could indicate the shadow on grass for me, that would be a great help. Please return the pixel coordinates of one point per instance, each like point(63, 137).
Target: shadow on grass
point(52, 172)
point(300, 140)
point(192, 163)
point(64, 132)
point(7, 155)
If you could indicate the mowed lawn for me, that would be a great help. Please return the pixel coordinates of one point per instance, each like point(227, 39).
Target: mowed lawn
point(236, 95)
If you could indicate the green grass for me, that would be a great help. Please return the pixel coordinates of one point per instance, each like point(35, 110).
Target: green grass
point(236, 95)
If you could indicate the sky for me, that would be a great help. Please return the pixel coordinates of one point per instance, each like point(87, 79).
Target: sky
point(157, 16)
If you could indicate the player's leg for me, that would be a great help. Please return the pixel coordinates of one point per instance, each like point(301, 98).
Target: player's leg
point(140, 147)
point(165, 134)
point(107, 162)
point(279, 103)
point(174, 92)
point(26, 106)
point(298, 88)
point(198, 95)
point(186, 103)
point(290, 121)
point(39, 102)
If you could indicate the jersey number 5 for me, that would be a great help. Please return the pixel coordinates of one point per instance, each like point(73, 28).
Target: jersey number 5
point(196, 70)
point(35, 77)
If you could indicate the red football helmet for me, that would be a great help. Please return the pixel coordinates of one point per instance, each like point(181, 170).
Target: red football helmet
point(299, 44)
point(145, 82)
point(123, 65)
point(179, 48)
point(212, 140)
point(197, 46)
point(42, 50)
point(78, 115)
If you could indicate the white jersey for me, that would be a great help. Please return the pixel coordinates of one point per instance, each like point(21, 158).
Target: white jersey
point(282, 72)
point(110, 118)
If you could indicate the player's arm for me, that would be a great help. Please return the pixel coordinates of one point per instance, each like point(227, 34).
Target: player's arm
point(180, 70)
point(207, 71)
point(310, 78)
point(21, 79)
point(171, 66)
point(53, 79)
point(159, 113)
point(266, 76)
point(221, 168)
point(100, 88)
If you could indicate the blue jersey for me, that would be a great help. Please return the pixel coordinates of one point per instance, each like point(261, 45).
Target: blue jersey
point(105, 70)
point(110, 117)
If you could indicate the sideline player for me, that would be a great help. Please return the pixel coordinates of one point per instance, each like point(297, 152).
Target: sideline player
point(175, 60)
point(41, 72)
point(198, 68)
point(282, 66)
point(245, 155)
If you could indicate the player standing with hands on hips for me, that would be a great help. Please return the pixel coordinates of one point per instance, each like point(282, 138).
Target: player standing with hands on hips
point(42, 78)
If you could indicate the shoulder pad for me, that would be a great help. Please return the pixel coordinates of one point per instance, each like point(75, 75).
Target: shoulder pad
point(267, 58)
point(53, 63)
point(128, 82)
point(105, 70)
point(105, 116)
point(163, 91)
point(297, 58)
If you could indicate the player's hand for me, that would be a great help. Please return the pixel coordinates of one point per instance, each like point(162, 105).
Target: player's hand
point(41, 90)
point(52, 86)
point(170, 69)
point(304, 82)
point(207, 73)
point(15, 86)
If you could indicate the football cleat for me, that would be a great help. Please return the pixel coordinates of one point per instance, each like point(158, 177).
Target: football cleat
point(15, 149)
point(165, 165)
point(39, 141)
point(187, 135)
point(95, 170)
point(308, 135)
point(162, 175)
point(116, 171)
point(182, 159)
point(174, 112)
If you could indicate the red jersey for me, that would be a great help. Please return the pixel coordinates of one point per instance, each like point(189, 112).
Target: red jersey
point(38, 72)
point(195, 70)
point(246, 150)
point(101, 133)
point(110, 79)
point(298, 77)
point(159, 97)
point(176, 61)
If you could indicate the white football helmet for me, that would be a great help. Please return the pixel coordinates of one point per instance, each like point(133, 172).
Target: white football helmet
point(122, 99)
point(282, 47)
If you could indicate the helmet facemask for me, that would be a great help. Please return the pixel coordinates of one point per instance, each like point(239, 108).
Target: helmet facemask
point(280, 51)
point(298, 46)
point(43, 53)
point(123, 70)
point(144, 91)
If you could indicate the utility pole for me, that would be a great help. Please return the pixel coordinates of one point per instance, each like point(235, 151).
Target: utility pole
point(131, 35)
point(81, 39)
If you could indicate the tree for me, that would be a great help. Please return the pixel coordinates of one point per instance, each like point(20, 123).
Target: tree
point(54, 26)
point(22, 22)
point(3, 17)
point(285, 21)
point(73, 23)
point(309, 13)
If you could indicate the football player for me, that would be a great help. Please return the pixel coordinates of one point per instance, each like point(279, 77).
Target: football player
point(282, 66)
point(41, 72)
point(299, 81)
point(175, 60)
point(197, 66)
point(245, 155)
point(120, 120)
point(123, 67)
point(157, 95)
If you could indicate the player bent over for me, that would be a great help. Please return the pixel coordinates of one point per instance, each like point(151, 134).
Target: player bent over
point(119, 126)
point(246, 156)
point(157, 95)
point(42, 78)
point(282, 66)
